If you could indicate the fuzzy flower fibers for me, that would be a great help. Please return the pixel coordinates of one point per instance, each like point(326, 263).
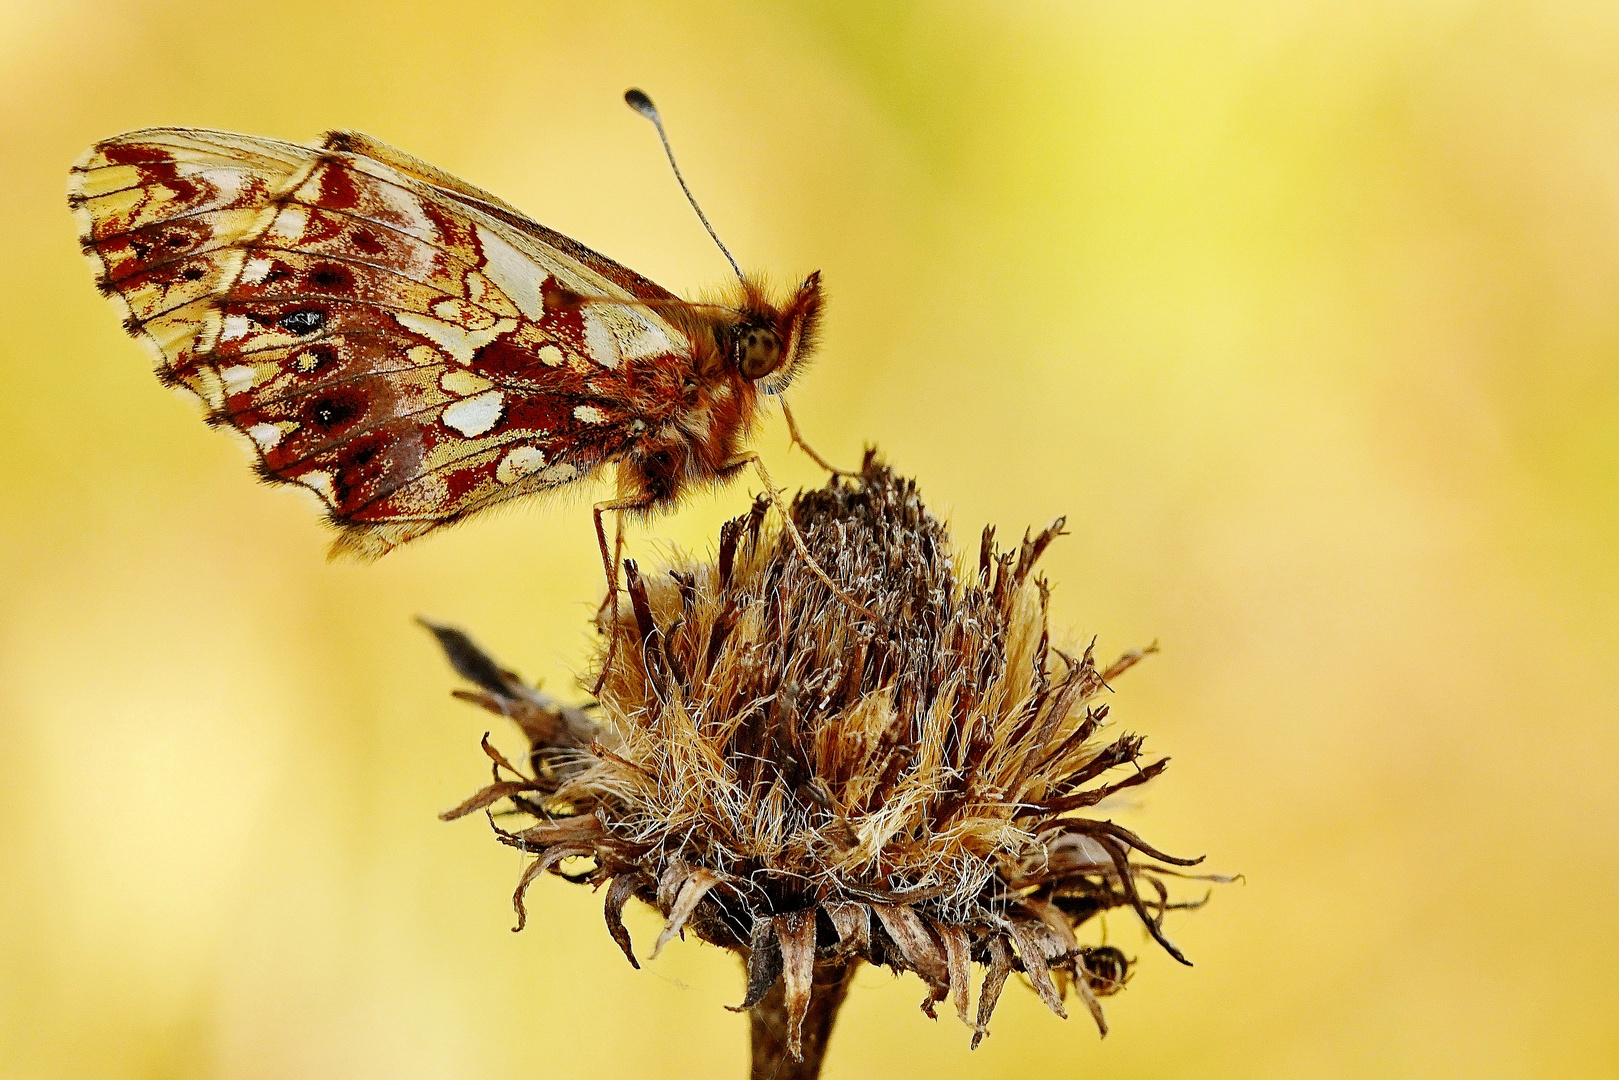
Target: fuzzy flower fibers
point(786, 778)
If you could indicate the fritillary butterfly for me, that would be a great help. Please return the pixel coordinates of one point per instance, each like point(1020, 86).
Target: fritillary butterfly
point(410, 348)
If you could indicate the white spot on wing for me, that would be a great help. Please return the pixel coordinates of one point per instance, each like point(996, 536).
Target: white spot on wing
point(600, 344)
point(589, 414)
point(551, 356)
point(236, 378)
point(616, 332)
point(462, 344)
point(475, 415)
point(639, 338)
point(255, 271)
point(291, 222)
point(520, 461)
point(266, 435)
point(321, 484)
point(518, 276)
point(235, 327)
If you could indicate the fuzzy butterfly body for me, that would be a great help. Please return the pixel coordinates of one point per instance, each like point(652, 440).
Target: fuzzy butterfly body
point(409, 348)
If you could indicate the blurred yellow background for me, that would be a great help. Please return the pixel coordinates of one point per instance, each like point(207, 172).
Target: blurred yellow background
point(1306, 314)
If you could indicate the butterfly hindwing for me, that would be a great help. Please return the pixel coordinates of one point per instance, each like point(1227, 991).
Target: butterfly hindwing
point(409, 348)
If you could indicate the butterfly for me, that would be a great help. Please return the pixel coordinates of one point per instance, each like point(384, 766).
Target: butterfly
point(412, 349)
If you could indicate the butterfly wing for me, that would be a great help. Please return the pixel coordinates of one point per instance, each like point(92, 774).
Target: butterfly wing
point(407, 347)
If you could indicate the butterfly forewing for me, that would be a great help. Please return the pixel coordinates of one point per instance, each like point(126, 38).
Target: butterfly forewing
point(407, 347)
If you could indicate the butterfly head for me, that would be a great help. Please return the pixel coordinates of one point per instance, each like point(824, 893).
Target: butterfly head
point(771, 342)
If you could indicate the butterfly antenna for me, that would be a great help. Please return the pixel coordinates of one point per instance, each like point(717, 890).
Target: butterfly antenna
point(642, 104)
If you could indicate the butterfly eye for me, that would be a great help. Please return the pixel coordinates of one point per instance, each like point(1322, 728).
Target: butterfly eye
point(758, 352)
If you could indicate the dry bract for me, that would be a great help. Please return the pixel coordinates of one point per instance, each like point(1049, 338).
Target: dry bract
point(786, 778)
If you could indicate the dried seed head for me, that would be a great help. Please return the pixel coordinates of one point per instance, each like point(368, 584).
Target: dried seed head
point(785, 778)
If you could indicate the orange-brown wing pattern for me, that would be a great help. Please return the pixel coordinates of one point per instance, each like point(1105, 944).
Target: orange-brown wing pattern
point(409, 351)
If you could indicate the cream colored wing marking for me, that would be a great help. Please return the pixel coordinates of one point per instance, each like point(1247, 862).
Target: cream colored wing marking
point(409, 349)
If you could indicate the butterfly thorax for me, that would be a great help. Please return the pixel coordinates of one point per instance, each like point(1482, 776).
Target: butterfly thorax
point(744, 346)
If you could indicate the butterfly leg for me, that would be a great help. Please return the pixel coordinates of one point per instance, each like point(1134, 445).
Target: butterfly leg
point(610, 564)
point(798, 441)
point(753, 459)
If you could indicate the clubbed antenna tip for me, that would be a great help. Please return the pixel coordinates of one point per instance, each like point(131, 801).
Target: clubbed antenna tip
point(641, 103)
point(637, 100)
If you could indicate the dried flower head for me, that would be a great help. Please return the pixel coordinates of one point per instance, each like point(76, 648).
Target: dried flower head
point(783, 777)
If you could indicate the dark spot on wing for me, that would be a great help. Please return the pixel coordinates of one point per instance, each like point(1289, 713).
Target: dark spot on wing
point(302, 322)
point(331, 277)
point(334, 410)
point(316, 357)
point(363, 468)
point(364, 241)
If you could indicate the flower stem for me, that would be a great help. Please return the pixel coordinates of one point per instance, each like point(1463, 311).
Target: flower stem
point(769, 1022)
